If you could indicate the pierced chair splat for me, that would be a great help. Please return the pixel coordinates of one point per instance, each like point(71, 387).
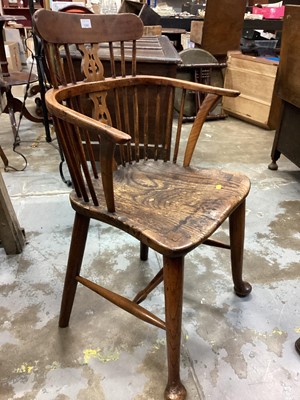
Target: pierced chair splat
point(115, 128)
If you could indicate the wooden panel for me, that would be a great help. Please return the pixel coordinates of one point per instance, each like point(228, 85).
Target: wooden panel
point(223, 24)
point(254, 78)
point(11, 235)
point(289, 68)
point(150, 49)
point(196, 31)
point(289, 139)
point(249, 109)
point(152, 30)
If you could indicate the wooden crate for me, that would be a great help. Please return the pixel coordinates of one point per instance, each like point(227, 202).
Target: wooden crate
point(254, 77)
point(11, 235)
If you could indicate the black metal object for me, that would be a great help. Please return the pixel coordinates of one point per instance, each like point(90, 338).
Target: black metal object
point(38, 56)
point(38, 48)
point(185, 23)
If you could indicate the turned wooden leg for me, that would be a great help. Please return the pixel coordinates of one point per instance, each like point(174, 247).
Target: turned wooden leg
point(237, 232)
point(173, 284)
point(275, 157)
point(144, 250)
point(79, 235)
point(297, 346)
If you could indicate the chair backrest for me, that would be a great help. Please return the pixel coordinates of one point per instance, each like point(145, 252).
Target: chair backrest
point(61, 31)
point(223, 25)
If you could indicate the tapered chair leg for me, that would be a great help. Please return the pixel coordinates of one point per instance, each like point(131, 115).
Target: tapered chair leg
point(237, 233)
point(78, 241)
point(173, 286)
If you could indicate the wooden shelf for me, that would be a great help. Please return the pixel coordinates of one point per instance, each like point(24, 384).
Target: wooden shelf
point(14, 9)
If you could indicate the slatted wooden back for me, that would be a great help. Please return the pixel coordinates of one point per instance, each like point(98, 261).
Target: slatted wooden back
point(136, 112)
point(61, 32)
point(92, 47)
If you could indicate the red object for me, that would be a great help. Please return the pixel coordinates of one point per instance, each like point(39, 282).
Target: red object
point(269, 12)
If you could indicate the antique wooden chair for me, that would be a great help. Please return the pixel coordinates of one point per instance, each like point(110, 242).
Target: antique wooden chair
point(131, 180)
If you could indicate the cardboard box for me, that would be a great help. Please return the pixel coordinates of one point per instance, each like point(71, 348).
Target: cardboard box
point(254, 77)
point(13, 56)
point(13, 35)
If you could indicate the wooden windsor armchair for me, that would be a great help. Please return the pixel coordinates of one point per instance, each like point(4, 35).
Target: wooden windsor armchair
point(132, 180)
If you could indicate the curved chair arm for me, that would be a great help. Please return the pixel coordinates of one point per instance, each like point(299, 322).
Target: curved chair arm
point(182, 84)
point(55, 98)
point(61, 111)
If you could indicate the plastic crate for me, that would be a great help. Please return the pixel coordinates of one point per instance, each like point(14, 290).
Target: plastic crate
point(266, 44)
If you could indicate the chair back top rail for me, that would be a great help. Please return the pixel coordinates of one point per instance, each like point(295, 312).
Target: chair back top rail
point(62, 28)
point(65, 35)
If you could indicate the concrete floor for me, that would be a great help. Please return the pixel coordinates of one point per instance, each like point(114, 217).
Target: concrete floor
point(232, 348)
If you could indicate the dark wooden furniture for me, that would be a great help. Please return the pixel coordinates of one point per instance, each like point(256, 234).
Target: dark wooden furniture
point(174, 34)
point(11, 235)
point(219, 33)
point(155, 56)
point(222, 26)
point(141, 187)
point(20, 7)
point(10, 79)
point(287, 86)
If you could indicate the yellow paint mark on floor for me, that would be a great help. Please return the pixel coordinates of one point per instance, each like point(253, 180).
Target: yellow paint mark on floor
point(278, 332)
point(24, 369)
point(97, 354)
point(158, 344)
